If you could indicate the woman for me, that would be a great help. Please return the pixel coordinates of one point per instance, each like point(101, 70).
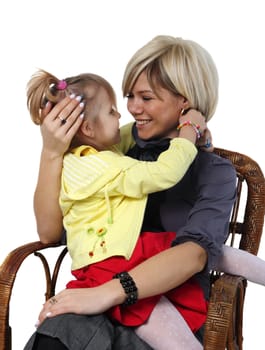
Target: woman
point(198, 208)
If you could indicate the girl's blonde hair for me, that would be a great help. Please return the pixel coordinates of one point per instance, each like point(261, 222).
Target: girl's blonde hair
point(181, 66)
point(44, 87)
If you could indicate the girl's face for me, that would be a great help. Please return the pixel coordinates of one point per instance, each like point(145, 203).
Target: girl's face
point(106, 125)
point(156, 117)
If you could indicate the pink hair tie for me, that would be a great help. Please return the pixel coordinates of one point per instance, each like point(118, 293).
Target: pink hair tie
point(61, 85)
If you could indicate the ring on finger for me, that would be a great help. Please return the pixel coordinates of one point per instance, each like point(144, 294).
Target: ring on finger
point(63, 121)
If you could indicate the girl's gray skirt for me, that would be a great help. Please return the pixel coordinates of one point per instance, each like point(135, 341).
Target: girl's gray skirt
point(81, 332)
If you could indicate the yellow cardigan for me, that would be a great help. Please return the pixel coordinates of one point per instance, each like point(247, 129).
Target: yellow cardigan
point(103, 196)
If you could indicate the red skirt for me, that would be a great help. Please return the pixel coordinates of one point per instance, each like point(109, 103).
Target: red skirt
point(187, 298)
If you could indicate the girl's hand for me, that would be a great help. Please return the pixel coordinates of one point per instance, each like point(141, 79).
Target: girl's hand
point(195, 117)
point(60, 123)
point(206, 142)
point(192, 120)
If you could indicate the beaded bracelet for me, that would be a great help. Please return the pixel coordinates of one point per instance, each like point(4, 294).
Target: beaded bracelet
point(129, 287)
point(195, 127)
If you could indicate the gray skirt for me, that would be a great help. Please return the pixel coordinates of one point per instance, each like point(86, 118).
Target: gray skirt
point(81, 332)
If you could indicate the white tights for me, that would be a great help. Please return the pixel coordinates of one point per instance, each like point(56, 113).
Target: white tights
point(167, 330)
point(239, 262)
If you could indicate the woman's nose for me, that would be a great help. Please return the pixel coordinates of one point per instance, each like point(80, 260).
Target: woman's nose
point(134, 107)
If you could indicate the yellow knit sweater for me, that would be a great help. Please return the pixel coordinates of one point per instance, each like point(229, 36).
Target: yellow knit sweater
point(103, 196)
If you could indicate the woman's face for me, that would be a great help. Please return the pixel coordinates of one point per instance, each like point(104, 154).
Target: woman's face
point(156, 117)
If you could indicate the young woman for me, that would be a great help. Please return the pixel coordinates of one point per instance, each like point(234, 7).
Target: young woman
point(104, 193)
point(197, 209)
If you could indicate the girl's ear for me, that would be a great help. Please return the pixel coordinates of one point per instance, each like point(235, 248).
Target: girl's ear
point(87, 129)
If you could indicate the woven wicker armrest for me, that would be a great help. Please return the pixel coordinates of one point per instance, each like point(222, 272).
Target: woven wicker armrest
point(8, 272)
point(15, 258)
point(225, 308)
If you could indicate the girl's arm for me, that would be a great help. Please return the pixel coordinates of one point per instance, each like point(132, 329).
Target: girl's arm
point(127, 139)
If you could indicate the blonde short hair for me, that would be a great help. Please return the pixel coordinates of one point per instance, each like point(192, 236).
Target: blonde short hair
point(180, 66)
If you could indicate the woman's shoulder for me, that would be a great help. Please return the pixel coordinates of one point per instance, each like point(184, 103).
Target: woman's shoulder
point(212, 159)
point(212, 166)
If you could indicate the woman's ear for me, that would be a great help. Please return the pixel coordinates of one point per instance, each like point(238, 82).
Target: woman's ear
point(184, 103)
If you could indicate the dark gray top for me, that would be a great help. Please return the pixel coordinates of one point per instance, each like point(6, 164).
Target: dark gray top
point(198, 208)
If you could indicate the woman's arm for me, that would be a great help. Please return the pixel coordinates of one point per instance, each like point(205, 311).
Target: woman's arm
point(47, 212)
point(56, 140)
point(214, 180)
point(168, 269)
point(196, 247)
point(156, 275)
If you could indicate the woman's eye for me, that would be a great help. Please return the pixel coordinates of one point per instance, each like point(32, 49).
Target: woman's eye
point(129, 95)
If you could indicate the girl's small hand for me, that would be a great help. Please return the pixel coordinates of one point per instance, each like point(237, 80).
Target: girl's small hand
point(206, 142)
point(195, 117)
point(60, 123)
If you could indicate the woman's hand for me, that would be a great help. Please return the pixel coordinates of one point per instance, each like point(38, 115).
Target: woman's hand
point(60, 123)
point(84, 301)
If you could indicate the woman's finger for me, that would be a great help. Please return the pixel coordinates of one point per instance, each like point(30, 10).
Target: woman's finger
point(63, 109)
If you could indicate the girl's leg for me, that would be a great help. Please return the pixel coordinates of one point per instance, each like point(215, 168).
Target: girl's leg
point(239, 262)
point(167, 330)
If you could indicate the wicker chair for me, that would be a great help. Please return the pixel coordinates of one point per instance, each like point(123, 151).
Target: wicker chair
point(223, 328)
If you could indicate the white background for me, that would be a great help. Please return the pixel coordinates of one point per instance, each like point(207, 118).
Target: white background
point(70, 37)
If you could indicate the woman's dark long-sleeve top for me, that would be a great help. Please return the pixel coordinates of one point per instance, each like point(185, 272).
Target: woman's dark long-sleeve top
point(198, 208)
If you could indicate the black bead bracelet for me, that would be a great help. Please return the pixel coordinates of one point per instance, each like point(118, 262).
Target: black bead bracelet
point(129, 287)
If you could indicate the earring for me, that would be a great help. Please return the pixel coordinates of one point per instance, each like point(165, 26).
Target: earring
point(182, 112)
